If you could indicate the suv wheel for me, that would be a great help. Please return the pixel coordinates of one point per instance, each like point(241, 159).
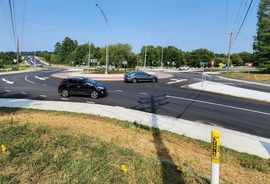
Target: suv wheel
point(65, 93)
point(94, 94)
point(154, 80)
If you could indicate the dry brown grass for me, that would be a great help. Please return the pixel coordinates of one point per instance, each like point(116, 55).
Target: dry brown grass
point(250, 75)
point(182, 151)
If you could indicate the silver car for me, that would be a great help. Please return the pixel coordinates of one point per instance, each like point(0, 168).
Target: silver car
point(184, 67)
point(139, 76)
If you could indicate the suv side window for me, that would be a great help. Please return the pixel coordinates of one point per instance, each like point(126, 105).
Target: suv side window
point(81, 82)
point(73, 81)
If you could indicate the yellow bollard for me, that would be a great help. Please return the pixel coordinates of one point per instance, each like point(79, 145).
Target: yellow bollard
point(215, 153)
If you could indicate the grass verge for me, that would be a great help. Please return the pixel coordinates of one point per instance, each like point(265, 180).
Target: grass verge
point(250, 75)
point(61, 147)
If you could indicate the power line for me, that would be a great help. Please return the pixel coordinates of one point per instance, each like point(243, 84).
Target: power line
point(226, 20)
point(9, 12)
point(243, 21)
point(238, 14)
point(6, 17)
point(11, 8)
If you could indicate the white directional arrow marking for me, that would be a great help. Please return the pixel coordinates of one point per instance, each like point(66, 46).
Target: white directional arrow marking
point(6, 81)
point(176, 81)
point(41, 78)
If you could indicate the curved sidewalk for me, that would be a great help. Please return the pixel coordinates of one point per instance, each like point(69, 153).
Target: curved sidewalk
point(241, 142)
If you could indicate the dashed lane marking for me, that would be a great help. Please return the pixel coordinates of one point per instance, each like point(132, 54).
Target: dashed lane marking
point(142, 93)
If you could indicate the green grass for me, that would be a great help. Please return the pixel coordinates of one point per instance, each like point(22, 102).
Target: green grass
point(49, 154)
point(39, 154)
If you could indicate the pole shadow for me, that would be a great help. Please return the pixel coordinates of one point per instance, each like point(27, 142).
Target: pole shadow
point(169, 172)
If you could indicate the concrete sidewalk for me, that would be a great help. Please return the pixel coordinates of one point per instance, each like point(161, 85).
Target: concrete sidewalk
point(235, 140)
point(220, 88)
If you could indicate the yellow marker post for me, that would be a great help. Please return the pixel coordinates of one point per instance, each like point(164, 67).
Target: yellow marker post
point(215, 153)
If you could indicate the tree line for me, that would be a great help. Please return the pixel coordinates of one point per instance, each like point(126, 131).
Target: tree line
point(69, 52)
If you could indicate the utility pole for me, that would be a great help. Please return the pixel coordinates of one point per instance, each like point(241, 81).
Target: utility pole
point(229, 53)
point(161, 60)
point(145, 57)
point(145, 52)
point(18, 51)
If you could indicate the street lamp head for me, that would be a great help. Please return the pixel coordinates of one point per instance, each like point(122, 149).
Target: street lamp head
point(96, 4)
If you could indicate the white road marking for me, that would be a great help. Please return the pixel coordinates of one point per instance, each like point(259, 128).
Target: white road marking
point(89, 102)
point(119, 90)
point(64, 99)
point(41, 78)
point(28, 80)
point(44, 96)
point(7, 81)
point(216, 104)
point(142, 93)
point(23, 93)
point(8, 91)
point(176, 81)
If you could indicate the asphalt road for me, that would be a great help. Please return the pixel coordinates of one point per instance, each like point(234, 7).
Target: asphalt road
point(168, 97)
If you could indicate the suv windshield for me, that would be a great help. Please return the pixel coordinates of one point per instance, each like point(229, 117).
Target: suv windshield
point(90, 81)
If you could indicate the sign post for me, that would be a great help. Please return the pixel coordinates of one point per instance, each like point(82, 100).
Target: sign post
point(249, 65)
point(215, 153)
point(124, 63)
point(212, 64)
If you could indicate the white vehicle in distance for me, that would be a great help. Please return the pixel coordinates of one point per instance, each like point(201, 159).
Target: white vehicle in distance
point(184, 67)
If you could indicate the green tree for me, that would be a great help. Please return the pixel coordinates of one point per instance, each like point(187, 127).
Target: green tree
point(198, 55)
point(261, 44)
point(55, 59)
point(67, 47)
point(7, 57)
point(78, 55)
point(246, 57)
point(57, 48)
point(173, 54)
point(152, 55)
point(121, 52)
point(236, 60)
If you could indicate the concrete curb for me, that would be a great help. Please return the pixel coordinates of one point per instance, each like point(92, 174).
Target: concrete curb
point(235, 140)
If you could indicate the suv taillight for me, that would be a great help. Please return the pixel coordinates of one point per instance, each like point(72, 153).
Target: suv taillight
point(60, 84)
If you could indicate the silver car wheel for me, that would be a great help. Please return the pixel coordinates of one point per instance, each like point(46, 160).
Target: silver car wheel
point(65, 93)
point(94, 94)
point(134, 80)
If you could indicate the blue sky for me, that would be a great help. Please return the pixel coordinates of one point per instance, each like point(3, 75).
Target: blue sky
point(185, 24)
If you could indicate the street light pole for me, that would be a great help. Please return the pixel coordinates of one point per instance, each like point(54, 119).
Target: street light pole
point(107, 48)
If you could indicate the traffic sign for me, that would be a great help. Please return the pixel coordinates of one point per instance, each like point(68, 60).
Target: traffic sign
point(93, 60)
point(212, 62)
point(204, 63)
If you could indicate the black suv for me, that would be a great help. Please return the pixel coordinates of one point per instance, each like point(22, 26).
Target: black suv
point(81, 86)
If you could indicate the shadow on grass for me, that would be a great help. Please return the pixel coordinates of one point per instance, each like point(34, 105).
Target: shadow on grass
point(169, 172)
